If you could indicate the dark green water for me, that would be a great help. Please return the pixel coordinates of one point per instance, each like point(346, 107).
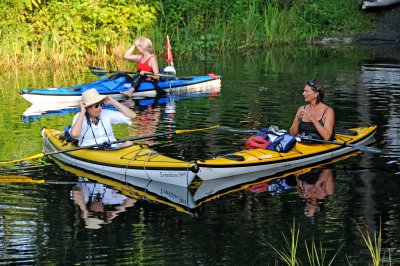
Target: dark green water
point(41, 224)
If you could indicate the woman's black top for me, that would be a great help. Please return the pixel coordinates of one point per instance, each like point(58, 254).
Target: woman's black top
point(308, 128)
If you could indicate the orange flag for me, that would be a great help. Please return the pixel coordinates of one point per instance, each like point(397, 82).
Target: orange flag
point(168, 55)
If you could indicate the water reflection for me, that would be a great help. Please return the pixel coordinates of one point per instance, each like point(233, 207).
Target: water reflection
point(314, 187)
point(102, 198)
point(39, 221)
point(120, 189)
point(381, 74)
point(36, 111)
point(98, 204)
point(380, 80)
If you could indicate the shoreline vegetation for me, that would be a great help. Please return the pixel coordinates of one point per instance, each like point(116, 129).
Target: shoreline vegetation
point(40, 34)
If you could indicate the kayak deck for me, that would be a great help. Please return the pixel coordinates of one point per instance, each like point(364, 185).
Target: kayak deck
point(301, 155)
point(73, 95)
point(136, 161)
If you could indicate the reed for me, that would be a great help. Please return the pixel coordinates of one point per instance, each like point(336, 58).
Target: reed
point(316, 256)
point(288, 254)
point(374, 244)
point(275, 28)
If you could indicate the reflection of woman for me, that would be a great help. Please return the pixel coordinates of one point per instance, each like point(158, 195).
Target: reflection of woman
point(148, 121)
point(314, 187)
point(94, 201)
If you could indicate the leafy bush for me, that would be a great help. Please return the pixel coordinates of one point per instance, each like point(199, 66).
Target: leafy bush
point(87, 24)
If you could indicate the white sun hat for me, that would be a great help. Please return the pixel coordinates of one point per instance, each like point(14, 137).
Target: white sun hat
point(92, 96)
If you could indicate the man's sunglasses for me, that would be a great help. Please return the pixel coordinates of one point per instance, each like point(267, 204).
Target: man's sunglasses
point(97, 105)
point(312, 84)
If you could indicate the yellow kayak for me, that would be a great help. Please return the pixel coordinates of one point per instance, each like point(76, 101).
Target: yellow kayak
point(272, 162)
point(135, 161)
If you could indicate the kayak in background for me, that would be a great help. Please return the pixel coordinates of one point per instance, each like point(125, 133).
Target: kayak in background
point(366, 4)
point(113, 87)
point(35, 111)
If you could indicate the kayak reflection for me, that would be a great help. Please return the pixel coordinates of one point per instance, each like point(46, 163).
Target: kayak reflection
point(102, 198)
point(36, 111)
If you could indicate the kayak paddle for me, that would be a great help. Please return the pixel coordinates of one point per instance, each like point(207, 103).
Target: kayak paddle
point(42, 154)
point(98, 71)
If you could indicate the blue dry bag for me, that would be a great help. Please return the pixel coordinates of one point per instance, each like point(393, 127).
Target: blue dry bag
point(282, 143)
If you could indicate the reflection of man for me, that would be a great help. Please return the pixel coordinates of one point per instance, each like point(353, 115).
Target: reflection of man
point(93, 200)
point(314, 187)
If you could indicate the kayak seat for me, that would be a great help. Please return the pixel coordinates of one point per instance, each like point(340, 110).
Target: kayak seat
point(73, 89)
point(232, 157)
point(68, 139)
point(349, 132)
point(104, 84)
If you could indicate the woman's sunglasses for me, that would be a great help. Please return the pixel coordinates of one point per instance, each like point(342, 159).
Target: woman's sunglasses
point(312, 84)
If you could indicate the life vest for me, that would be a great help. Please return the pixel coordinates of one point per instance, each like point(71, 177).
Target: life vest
point(256, 142)
point(144, 66)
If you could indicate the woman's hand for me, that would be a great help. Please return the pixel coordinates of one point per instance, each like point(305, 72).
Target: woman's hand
point(307, 116)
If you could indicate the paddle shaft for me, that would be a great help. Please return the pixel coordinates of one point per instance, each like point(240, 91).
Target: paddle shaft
point(109, 143)
point(100, 72)
point(182, 131)
point(355, 146)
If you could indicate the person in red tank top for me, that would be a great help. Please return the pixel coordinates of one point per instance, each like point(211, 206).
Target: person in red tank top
point(146, 60)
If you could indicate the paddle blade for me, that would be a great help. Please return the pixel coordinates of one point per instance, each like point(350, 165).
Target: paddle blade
point(98, 71)
point(234, 130)
point(38, 155)
point(194, 130)
point(366, 148)
point(19, 179)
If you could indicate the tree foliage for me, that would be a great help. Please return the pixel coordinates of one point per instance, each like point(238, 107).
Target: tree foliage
point(86, 24)
point(82, 28)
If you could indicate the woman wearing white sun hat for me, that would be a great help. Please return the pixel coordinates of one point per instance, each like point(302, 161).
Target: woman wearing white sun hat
point(93, 125)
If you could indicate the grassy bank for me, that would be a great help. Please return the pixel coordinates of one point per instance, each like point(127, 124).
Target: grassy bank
point(76, 33)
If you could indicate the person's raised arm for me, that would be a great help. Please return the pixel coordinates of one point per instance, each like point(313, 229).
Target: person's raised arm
point(129, 54)
point(76, 128)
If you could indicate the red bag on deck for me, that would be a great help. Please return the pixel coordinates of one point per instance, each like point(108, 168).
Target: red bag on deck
point(256, 142)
